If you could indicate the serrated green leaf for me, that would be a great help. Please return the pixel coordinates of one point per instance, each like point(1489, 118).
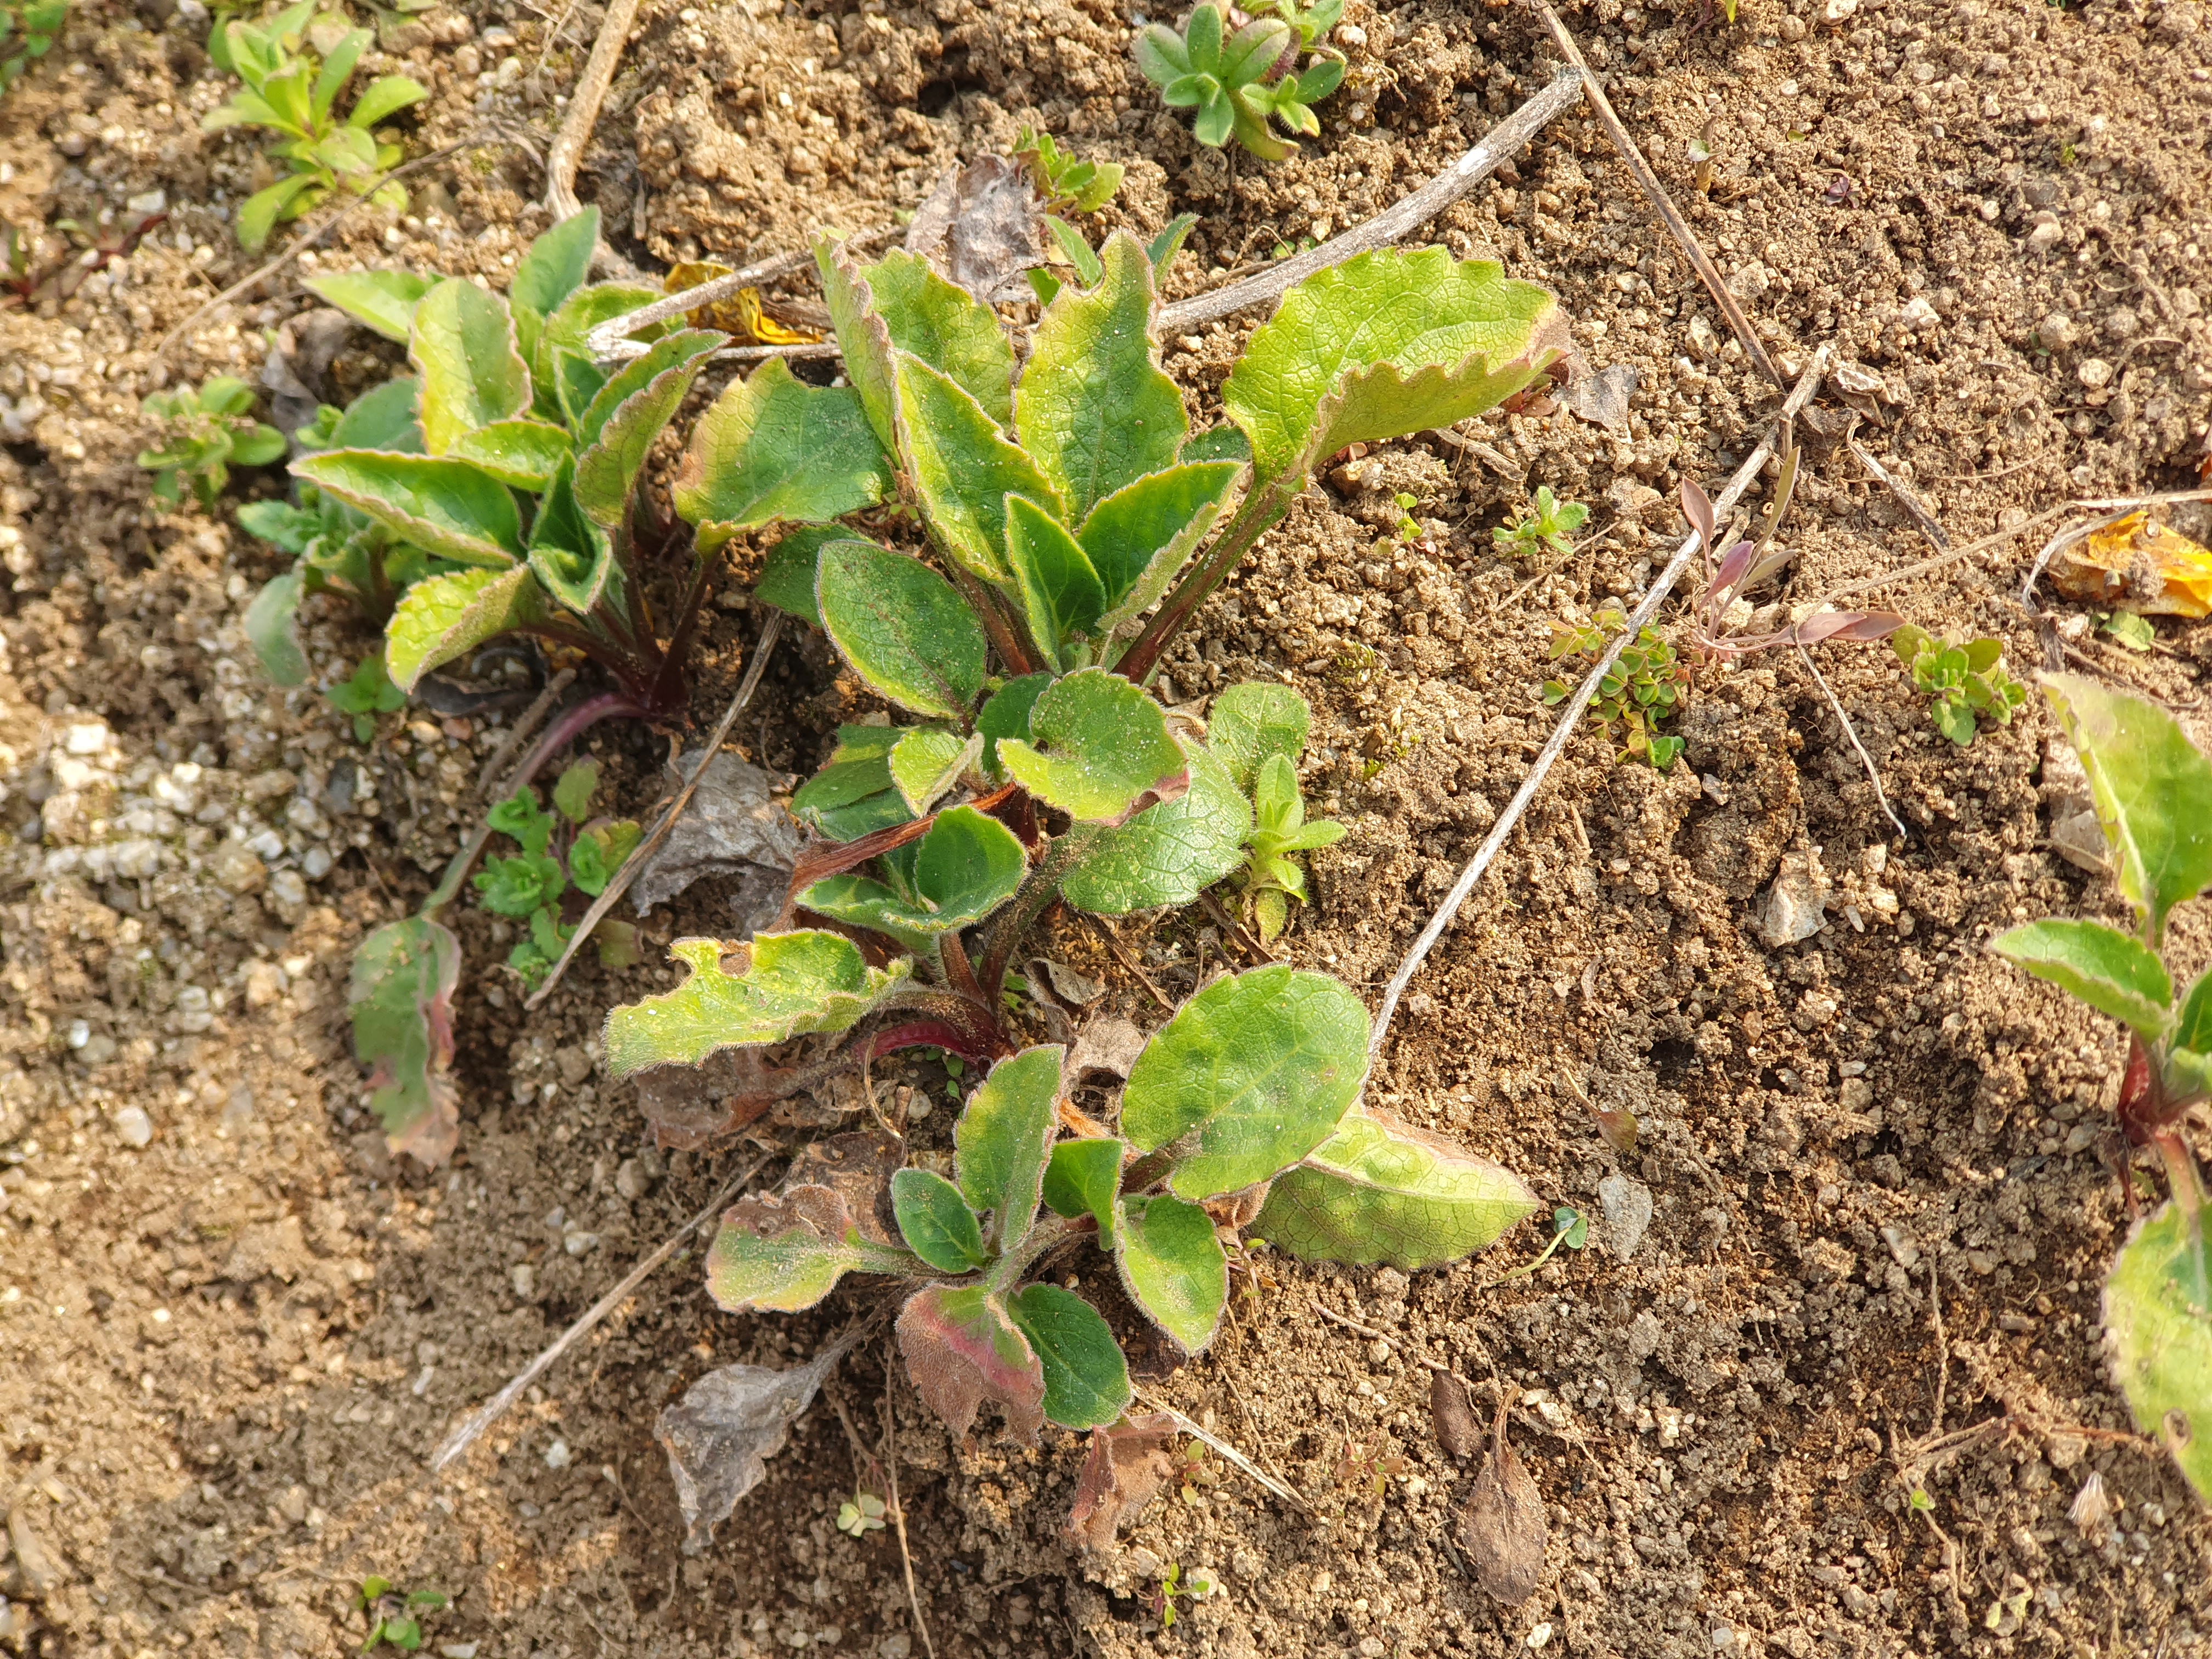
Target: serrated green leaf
point(1098, 744)
point(1167, 854)
point(1096, 412)
point(788, 985)
point(774, 448)
point(272, 624)
point(901, 626)
point(1173, 1267)
point(1225, 442)
point(1141, 537)
point(443, 507)
point(401, 1000)
point(1381, 1190)
point(1006, 714)
point(571, 556)
point(627, 414)
point(1004, 1138)
point(558, 263)
point(927, 761)
point(441, 618)
point(1384, 344)
point(384, 300)
point(936, 1222)
point(2153, 790)
point(1061, 598)
point(2158, 1316)
point(1086, 1380)
point(1258, 1068)
point(2113, 973)
point(784, 1252)
point(948, 328)
point(463, 350)
point(966, 865)
point(863, 338)
point(786, 578)
point(523, 453)
point(1083, 1177)
point(962, 468)
point(1249, 723)
point(961, 1348)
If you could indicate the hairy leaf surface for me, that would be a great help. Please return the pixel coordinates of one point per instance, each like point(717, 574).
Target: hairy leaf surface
point(936, 1222)
point(783, 1253)
point(965, 867)
point(789, 984)
point(1097, 746)
point(1167, 854)
point(1004, 1139)
point(627, 414)
point(441, 617)
point(1083, 1177)
point(384, 300)
point(2113, 973)
point(773, 448)
point(1086, 1380)
point(1172, 1265)
point(901, 626)
point(1249, 723)
point(962, 1349)
point(2158, 1312)
point(521, 453)
point(1139, 537)
point(948, 329)
point(463, 350)
point(963, 468)
point(401, 997)
point(443, 507)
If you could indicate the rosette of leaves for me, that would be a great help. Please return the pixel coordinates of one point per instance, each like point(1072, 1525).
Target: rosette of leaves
point(294, 66)
point(1964, 680)
point(528, 885)
point(210, 431)
point(2153, 790)
point(1259, 730)
point(1643, 686)
point(1239, 83)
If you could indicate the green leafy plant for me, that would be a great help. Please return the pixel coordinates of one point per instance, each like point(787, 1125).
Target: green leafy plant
point(1066, 184)
point(2130, 630)
point(1172, 1586)
point(369, 692)
point(1260, 730)
point(1409, 527)
point(1548, 522)
point(861, 1514)
point(211, 430)
point(528, 885)
point(2152, 792)
point(1238, 84)
point(28, 29)
point(294, 66)
point(1569, 1227)
point(1643, 686)
point(1965, 679)
point(395, 1616)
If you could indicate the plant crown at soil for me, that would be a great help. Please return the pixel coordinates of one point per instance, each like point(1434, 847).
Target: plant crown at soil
point(1965, 679)
point(1238, 83)
point(210, 431)
point(1548, 523)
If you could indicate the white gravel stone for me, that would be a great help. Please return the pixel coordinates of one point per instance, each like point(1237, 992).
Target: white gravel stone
point(132, 1124)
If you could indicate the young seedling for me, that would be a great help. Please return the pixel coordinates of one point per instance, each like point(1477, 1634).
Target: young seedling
point(1237, 84)
point(861, 1514)
point(1569, 1227)
point(1743, 567)
point(395, 1617)
point(528, 885)
point(368, 693)
point(1643, 686)
point(294, 67)
point(1963, 679)
point(1172, 1584)
point(1066, 184)
point(1369, 1467)
point(2129, 629)
point(1260, 730)
point(28, 29)
point(1194, 1471)
point(1409, 527)
point(2153, 790)
point(1548, 523)
point(210, 431)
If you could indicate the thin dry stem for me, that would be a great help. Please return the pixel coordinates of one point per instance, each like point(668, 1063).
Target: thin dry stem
point(897, 1509)
point(1852, 731)
point(532, 718)
point(1911, 503)
point(1236, 1459)
point(584, 101)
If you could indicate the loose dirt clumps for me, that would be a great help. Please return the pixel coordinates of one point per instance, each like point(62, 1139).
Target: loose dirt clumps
point(1855, 1256)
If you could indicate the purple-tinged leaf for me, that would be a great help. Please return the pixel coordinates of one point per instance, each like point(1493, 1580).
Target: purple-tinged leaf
point(401, 997)
point(962, 1349)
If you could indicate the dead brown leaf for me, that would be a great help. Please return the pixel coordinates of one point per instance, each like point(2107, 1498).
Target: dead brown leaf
point(1503, 1530)
point(1127, 1465)
point(1458, 1431)
point(720, 1435)
point(980, 227)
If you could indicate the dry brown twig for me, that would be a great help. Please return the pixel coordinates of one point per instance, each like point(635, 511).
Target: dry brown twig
point(1911, 504)
point(897, 1508)
point(1230, 1454)
point(585, 98)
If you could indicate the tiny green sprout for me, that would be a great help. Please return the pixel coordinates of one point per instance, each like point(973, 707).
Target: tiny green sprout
point(1237, 84)
point(1409, 527)
point(1194, 1472)
point(1569, 1227)
point(1921, 1500)
point(211, 430)
point(1964, 680)
point(394, 1615)
point(1369, 1466)
point(529, 885)
point(28, 29)
point(2129, 629)
point(1272, 878)
point(1067, 183)
point(368, 693)
point(1643, 686)
point(1196, 1588)
point(1548, 524)
point(1312, 22)
point(861, 1514)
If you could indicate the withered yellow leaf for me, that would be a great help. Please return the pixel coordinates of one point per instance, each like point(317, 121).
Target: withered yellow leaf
point(2136, 564)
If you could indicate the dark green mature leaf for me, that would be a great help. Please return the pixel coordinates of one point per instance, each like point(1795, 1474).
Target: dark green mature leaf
point(524, 453)
point(948, 328)
point(1062, 598)
point(627, 414)
point(401, 998)
point(786, 578)
point(1095, 411)
point(928, 759)
point(1139, 537)
point(962, 1349)
point(966, 865)
point(443, 507)
point(2158, 1316)
point(936, 1222)
point(962, 468)
point(1168, 854)
point(463, 350)
point(2153, 790)
point(782, 1253)
point(382, 300)
point(774, 448)
point(441, 618)
point(2111, 972)
point(1086, 1380)
point(1173, 1267)
point(1384, 344)
point(902, 627)
point(1097, 746)
point(1006, 714)
point(1258, 1068)
point(382, 417)
point(789, 984)
point(570, 555)
point(1004, 1142)
point(1250, 722)
point(1381, 1190)
point(1084, 1178)
point(272, 624)
point(864, 339)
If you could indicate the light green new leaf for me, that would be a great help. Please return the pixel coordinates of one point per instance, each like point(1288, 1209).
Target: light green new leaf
point(258, 215)
point(1084, 1178)
point(2111, 972)
point(786, 578)
point(2153, 790)
point(1172, 1265)
point(463, 350)
point(441, 617)
point(1097, 745)
point(627, 414)
point(853, 795)
point(1086, 1380)
point(1381, 1190)
point(928, 759)
point(784, 1252)
point(570, 553)
point(401, 998)
point(1167, 854)
point(1141, 535)
point(524, 453)
point(962, 468)
point(443, 507)
point(1384, 344)
point(965, 867)
point(863, 338)
point(936, 1222)
point(1095, 411)
point(272, 623)
point(773, 448)
point(2158, 1316)
point(901, 626)
point(1258, 1068)
point(948, 328)
point(382, 417)
point(1004, 1139)
point(788, 984)
point(382, 300)
point(961, 1348)
point(1249, 722)
point(558, 263)
point(1062, 598)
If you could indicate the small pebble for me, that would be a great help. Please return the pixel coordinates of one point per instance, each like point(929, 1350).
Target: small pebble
point(134, 1126)
point(558, 1456)
point(1540, 1637)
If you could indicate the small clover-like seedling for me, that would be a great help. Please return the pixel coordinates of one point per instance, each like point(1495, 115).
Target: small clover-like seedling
point(1312, 22)
point(1964, 680)
point(1239, 83)
point(367, 693)
point(1368, 1467)
point(1644, 685)
point(2153, 790)
point(1173, 1585)
point(294, 66)
point(2129, 629)
point(395, 1617)
point(529, 885)
point(1548, 522)
point(211, 430)
point(861, 1514)
point(1409, 527)
point(1066, 183)
point(28, 29)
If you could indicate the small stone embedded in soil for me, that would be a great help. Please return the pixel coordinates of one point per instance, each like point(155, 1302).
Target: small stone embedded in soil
point(132, 1124)
point(1627, 1205)
point(558, 1456)
point(1793, 909)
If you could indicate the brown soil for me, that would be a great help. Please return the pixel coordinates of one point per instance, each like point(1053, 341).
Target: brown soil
point(1881, 1210)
